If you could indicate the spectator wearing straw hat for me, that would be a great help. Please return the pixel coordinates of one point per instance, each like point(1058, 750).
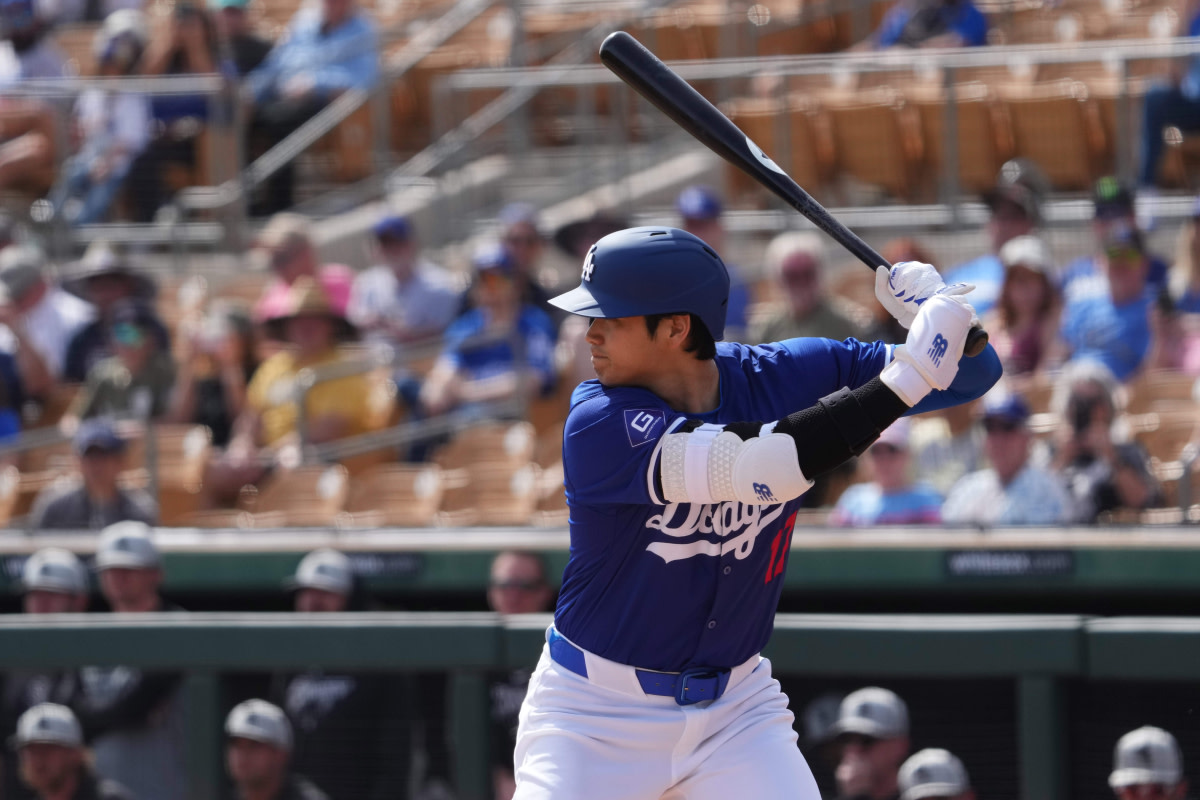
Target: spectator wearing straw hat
point(134, 719)
point(53, 581)
point(105, 277)
point(52, 760)
point(1147, 763)
point(934, 774)
point(343, 718)
point(258, 755)
point(97, 500)
point(501, 350)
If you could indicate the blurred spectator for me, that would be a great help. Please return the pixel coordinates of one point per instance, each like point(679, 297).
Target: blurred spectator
point(1108, 316)
point(27, 50)
point(1172, 102)
point(930, 23)
point(111, 127)
point(136, 380)
point(891, 498)
point(258, 755)
point(517, 586)
point(871, 735)
point(1016, 210)
point(327, 50)
point(52, 760)
point(1012, 491)
point(1185, 271)
point(105, 278)
point(134, 719)
point(405, 298)
point(53, 581)
point(266, 433)
point(217, 361)
point(946, 445)
point(701, 209)
point(500, 350)
point(41, 319)
point(99, 501)
point(293, 255)
point(797, 260)
point(1147, 764)
point(351, 728)
point(1101, 474)
point(934, 774)
point(1024, 324)
point(239, 43)
point(1114, 219)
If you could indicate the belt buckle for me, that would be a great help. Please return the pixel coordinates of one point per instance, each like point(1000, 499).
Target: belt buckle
point(698, 673)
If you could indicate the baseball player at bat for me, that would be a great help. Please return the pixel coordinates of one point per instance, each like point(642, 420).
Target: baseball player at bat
point(684, 462)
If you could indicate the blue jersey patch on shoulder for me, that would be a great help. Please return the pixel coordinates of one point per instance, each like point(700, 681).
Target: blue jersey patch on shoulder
point(643, 425)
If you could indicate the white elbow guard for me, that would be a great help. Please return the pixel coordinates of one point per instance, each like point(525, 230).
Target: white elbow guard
point(713, 465)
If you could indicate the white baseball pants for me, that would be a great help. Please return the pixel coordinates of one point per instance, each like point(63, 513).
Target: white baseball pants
point(604, 739)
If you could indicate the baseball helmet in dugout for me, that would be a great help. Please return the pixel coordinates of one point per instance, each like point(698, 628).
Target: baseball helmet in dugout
point(651, 270)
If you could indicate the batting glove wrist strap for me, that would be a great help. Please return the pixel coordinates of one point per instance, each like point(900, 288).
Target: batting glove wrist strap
point(931, 353)
point(905, 287)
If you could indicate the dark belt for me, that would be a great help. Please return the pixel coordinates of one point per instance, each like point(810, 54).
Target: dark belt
point(690, 686)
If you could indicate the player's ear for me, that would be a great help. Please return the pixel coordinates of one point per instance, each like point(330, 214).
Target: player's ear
point(679, 328)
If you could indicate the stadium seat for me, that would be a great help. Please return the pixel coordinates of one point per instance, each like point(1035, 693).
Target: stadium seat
point(794, 132)
point(311, 496)
point(876, 140)
point(403, 495)
point(10, 483)
point(1161, 390)
point(1057, 126)
point(507, 444)
point(984, 137)
point(493, 494)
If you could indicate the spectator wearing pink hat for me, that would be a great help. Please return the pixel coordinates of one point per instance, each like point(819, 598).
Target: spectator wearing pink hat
point(892, 497)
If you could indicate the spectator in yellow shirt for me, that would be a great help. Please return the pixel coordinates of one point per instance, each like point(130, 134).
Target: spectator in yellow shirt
point(266, 433)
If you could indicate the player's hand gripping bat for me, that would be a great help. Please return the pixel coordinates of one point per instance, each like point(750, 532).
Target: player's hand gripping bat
point(676, 98)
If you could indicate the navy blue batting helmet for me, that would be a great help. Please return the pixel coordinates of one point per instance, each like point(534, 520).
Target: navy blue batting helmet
point(652, 270)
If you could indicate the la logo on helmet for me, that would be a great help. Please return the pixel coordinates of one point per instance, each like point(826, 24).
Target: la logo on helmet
point(589, 264)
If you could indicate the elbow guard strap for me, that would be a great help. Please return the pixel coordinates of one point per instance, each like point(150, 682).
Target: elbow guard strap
point(712, 464)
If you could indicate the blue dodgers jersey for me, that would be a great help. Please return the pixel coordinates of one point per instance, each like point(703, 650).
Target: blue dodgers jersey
point(668, 587)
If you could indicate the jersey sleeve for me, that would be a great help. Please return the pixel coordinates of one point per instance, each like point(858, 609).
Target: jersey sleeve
point(610, 444)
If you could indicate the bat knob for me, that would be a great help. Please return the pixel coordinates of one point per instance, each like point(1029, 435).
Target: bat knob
point(977, 339)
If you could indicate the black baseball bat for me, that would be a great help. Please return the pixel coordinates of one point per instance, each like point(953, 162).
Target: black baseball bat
point(676, 98)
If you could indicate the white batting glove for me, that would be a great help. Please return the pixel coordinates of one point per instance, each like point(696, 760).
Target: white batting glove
point(903, 288)
point(928, 359)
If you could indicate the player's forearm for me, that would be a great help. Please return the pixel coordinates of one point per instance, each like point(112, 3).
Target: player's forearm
point(975, 377)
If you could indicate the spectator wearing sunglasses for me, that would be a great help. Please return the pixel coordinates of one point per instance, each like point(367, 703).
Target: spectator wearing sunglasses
point(871, 741)
point(136, 381)
point(1012, 491)
point(892, 497)
point(798, 261)
point(1107, 317)
point(517, 586)
point(521, 236)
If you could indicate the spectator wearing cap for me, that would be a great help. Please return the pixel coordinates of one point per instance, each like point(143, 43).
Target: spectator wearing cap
point(239, 42)
point(1109, 316)
point(1101, 469)
point(53, 581)
point(267, 431)
point(52, 760)
point(259, 758)
point(328, 49)
point(405, 297)
point(112, 126)
point(521, 236)
point(1015, 206)
point(501, 350)
point(1024, 324)
point(29, 42)
point(929, 23)
point(217, 361)
point(797, 260)
point(134, 382)
point(891, 497)
point(871, 737)
point(1147, 764)
point(934, 774)
point(292, 254)
point(1012, 491)
point(135, 720)
point(701, 210)
point(1114, 223)
point(344, 718)
point(517, 586)
point(41, 319)
point(98, 501)
point(105, 278)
